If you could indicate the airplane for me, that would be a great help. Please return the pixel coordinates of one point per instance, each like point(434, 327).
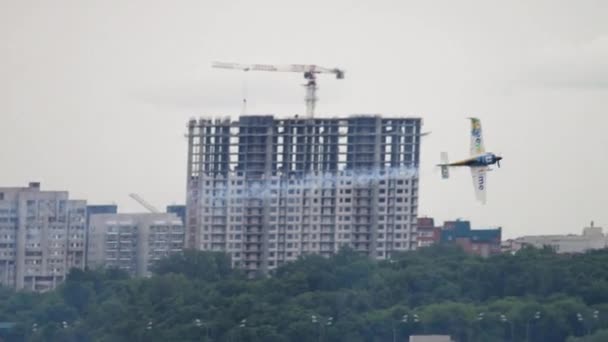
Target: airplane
point(479, 161)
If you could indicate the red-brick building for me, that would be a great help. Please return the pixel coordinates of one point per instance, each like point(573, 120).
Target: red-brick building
point(428, 234)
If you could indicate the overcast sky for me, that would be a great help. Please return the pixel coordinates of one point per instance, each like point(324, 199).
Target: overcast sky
point(95, 95)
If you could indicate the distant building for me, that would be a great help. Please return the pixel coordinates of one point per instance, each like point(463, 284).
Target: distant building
point(93, 209)
point(482, 242)
point(42, 236)
point(267, 190)
point(591, 238)
point(133, 242)
point(179, 210)
point(427, 234)
point(430, 338)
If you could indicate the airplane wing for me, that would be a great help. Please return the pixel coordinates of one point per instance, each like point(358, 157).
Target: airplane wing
point(477, 146)
point(480, 182)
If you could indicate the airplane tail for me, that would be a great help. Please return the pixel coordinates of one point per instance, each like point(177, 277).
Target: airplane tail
point(445, 172)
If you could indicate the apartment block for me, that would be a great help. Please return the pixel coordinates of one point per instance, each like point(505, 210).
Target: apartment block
point(94, 209)
point(133, 242)
point(42, 236)
point(267, 190)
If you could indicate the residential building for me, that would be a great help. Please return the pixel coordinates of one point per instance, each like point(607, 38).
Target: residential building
point(591, 238)
point(133, 242)
point(428, 233)
point(267, 190)
point(93, 209)
point(482, 242)
point(42, 236)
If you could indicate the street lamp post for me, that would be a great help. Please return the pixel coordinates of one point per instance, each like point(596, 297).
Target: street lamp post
point(242, 325)
point(504, 319)
point(146, 332)
point(199, 324)
point(402, 320)
point(536, 317)
point(479, 319)
point(596, 317)
point(318, 320)
point(413, 319)
point(587, 327)
point(581, 320)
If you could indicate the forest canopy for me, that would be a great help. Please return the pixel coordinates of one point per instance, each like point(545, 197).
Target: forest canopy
point(196, 296)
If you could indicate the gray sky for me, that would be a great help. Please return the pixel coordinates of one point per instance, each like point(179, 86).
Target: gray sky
point(95, 95)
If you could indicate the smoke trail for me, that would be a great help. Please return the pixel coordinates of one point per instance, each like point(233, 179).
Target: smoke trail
point(276, 186)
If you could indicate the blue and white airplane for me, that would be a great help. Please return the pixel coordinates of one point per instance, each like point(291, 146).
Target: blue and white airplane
point(479, 161)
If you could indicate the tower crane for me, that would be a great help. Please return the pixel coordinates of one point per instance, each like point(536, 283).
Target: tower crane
point(144, 203)
point(310, 74)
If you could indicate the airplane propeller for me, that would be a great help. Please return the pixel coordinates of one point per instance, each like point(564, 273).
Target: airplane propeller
point(498, 158)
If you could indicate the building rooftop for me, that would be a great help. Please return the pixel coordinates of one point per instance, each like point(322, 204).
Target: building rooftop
point(462, 229)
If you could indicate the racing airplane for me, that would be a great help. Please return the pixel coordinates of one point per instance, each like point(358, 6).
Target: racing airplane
point(478, 162)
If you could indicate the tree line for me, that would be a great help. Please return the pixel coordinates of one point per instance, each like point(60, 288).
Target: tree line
point(534, 295)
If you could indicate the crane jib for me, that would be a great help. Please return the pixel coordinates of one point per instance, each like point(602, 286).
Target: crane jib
point(309, 71)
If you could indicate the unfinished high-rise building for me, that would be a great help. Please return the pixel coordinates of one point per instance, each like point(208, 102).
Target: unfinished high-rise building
point(267, 190)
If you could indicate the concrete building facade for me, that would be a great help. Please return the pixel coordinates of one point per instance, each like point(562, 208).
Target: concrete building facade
point(267, 190)
point(591, 238)
point(95, 209)
point(42, 236)
point(133, 242)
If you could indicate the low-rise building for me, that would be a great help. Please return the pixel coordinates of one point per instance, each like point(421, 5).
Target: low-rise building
point(427, 233)
point(592, 238)
point(482, 242)
point(133, 242)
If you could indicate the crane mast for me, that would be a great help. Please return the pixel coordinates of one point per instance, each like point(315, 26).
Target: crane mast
point(309, 71)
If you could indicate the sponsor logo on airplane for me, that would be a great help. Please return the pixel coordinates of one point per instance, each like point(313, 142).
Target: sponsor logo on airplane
point(479, 161)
